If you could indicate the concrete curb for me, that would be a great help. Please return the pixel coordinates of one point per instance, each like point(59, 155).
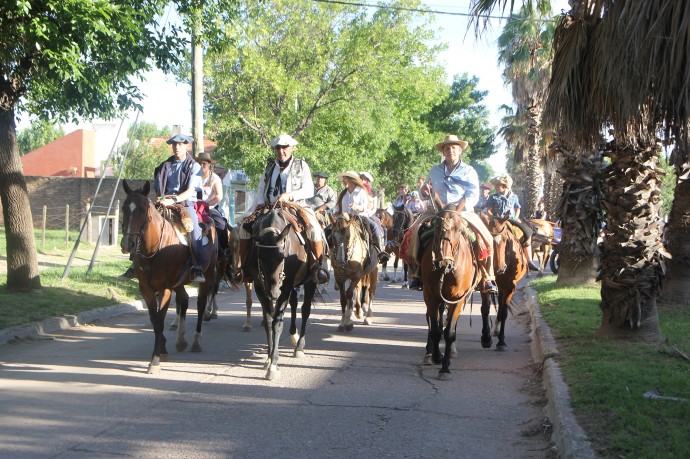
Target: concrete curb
point(568, 436)
point(39, 330)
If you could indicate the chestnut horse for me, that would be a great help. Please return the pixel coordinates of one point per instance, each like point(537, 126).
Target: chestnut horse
point(278, 261)
point(352, 262)
point(162, 264)
point(402, 220)
point(449, 275)
point(510, 265)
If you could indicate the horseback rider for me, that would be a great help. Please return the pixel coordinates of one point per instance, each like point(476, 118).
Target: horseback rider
point(324, 196)
point(212, 194)
point(354, 200)
point(485, 191)
point(505, 201)
point(288, 179)
point(176, 181)
point(453, 181)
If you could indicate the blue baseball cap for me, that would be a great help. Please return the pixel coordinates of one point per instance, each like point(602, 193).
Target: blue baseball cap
point(180, 138)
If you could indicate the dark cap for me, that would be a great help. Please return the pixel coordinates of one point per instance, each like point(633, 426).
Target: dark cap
point(180, 138)
point(485, 186)
point(321, 174)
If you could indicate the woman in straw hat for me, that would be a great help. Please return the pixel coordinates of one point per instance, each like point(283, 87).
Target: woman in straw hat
point(354, 200)
point(505, 201)
point(212, 194)
point(453, 181)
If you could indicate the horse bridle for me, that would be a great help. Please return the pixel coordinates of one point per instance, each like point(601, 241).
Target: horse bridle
point(446, 226)
point(142, 230)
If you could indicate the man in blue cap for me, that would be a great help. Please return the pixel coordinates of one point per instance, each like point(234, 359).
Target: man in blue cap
point(176, 181)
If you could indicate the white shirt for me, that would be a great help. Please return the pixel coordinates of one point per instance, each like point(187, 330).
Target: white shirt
point(359, 198)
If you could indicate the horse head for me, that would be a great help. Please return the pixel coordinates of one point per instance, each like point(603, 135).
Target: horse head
point(384, 217)
point(498, 227)
point(340, 238)
point(449, 227)
point(135, 216)
point(273, 247)
point(402, 219)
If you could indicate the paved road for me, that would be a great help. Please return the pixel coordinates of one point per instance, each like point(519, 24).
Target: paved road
point(84, 392)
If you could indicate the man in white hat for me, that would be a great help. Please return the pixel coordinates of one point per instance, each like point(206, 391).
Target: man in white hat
point(453, 181)
point(288, 179)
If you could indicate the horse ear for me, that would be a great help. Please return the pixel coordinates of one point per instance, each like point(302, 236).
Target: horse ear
point(283, 234)
point(146, 189)
point(126, 187)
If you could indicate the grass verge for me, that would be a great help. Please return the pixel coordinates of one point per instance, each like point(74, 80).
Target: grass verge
point(607, 378)
point(77, 293)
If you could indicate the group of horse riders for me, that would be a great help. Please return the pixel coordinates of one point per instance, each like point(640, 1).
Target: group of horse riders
point(287, 179)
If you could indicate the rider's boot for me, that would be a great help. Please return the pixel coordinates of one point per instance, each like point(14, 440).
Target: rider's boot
point(196, 273)
point(527, 250)
point(319, 274)
point(382, 255)
point(241, 273)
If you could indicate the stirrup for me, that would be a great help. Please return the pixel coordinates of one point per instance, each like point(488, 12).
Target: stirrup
point(320, 275)
point(197, 274)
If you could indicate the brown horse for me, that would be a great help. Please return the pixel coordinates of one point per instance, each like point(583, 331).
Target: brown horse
point(162, 264)
point(352, 262)
point(449, 276)
point(542, 240)
point(510, 265)
point(402, 220)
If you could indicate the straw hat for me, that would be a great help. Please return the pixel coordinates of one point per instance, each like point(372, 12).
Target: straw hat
point(504, 180)
point(451, 140)
point(366, 175)
point(352, 175)
point(204, 157)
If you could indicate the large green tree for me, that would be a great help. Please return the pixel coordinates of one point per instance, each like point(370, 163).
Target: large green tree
point(142, 155)
point(67, 60)
point(40, 133)
point(350, 83)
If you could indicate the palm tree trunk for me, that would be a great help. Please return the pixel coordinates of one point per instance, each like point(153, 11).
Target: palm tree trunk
point(533, 176)
point(22, 263)
point(632, 266)
point(579, 211)
point(676, 286)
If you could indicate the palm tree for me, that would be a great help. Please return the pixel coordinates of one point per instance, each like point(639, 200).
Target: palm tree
point(524, 49)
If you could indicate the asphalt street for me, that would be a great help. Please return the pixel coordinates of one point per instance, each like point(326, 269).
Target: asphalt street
point(84, 392)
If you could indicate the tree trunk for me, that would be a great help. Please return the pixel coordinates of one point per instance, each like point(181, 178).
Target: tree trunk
point(677, 283)
point(533, 176)
point(632, 262)
point(579, 211)
point(22, 263)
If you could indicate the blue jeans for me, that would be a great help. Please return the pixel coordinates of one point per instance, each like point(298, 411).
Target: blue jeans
point(201, 256)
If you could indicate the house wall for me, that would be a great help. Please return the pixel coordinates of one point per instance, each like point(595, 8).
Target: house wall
point(72, 156)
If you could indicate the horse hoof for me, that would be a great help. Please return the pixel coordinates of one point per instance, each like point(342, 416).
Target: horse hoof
point(393, 281)
point(427, 360)
point(444, 376)
point(153, 369)
point(294, 339)
point(181, 346)
point(386, 278)
point(349, 327)
point(358, 315)
point(341, 328)
point(196, 347)
point(173, 327)
point(368, 321)
point(247, 328)
point(214, 315)
point(486, 344)
point(207, 317)
point(271, 374)
point(298, 354)
point(163, 357)
point(501, 347)
point(453, 354)
point(403, 286)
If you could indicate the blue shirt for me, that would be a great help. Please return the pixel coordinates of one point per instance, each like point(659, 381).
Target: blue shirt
point(172, 185)
point(452, 186)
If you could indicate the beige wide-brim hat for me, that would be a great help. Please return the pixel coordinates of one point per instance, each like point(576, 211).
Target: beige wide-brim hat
point(451, 140)
point(504, 180)
point(367, 176)
point(283, 140)
point(352, 175)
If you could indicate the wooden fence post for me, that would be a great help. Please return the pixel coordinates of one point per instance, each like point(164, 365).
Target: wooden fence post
point(43, 229)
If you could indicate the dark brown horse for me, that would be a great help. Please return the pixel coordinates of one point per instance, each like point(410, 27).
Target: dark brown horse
point(449, 276)
point(162, 264)
point(223, 274)
point(352, 262)
point(402, 220)
point(279, 262)
point(510, 265)
point(542, 240)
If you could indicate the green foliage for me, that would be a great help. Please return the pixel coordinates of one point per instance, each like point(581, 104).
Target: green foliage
point(668, 186)
point(40, 133)
point(607, 379)
point(351, 86)
point(143, 155)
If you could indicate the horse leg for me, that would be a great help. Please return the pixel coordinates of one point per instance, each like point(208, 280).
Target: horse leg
point(345, 307)
point(157, 316)
point(352, 290)
point(357, 298)
point(276, 330)
point(368, 299)
point(449, 336)
point(294, 337)
point(248, 303)
point(384, 267)
point(182, 302)
point(434, 321)
point(502, 316)
point(395, 269)
point(486, 339)
point(309, 290)
point(201, 301)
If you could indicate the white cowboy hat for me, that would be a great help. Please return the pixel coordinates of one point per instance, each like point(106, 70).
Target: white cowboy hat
point(451, 140)
point(283, 140)
point(354, 176)
point(504, 180)
point(367, 176)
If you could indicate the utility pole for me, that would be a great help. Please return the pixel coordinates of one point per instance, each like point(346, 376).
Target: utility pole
point(197, 83)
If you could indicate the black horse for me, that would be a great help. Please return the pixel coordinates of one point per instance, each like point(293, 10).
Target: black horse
point(279, 262)
point(402, 220)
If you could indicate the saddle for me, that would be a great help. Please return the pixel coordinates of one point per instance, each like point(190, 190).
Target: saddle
point(294, 213)
point(178, 217)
